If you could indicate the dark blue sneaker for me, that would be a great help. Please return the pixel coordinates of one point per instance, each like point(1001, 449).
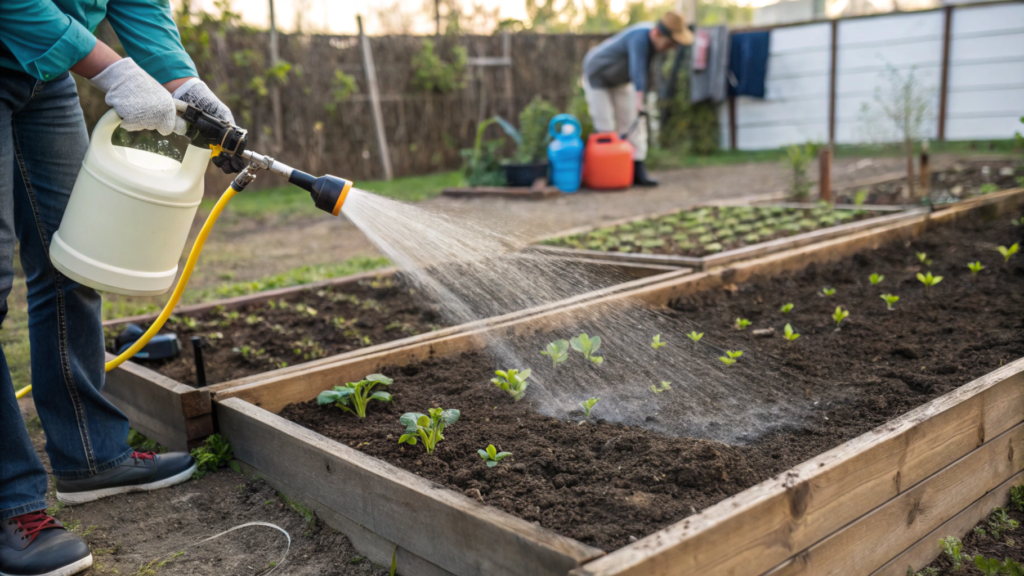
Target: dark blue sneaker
point(36, 544)
point(141, 472)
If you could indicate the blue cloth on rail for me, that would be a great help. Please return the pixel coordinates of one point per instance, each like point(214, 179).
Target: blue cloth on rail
point(748, 64)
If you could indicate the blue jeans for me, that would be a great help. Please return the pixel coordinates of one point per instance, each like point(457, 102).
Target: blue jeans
point(42, 144)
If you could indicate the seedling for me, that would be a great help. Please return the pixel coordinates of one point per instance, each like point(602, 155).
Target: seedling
point(951, 547)
point(430, 429)
point(999, 521)
point(665, 385)
point(587, 346)
point(695, 336)
point(1017, 497)
point(742, 323)
point(1017, 222)
point(988, 566)
point(588, 405)
point(512, 381)
point(1008, 252)
point(876, 278)
point(730, 357)
point(928, 280)
point(828, 292)
point(789, 333)
point(492, 456)
point(975, 267)
point(890, 300)
point(839, 315)
point(924, 259)
point(786, 308)
point(558, 351)
point(354, 396)
point(656, 342)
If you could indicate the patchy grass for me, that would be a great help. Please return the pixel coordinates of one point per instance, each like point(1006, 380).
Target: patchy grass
point(293, 201)
point(293, 277)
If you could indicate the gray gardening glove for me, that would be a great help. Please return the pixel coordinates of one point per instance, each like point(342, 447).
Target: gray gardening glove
point(198, 94)
point(140, 101)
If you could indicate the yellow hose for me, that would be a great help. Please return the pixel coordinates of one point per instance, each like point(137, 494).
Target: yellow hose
point(186, 273)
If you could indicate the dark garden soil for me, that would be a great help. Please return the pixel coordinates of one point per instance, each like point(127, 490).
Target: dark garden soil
point(1000, 543)
point(965, 179)
point(606, 483)
point(709, 230)
point(308, 325)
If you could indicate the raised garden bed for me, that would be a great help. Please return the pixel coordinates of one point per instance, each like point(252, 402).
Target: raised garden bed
point(853, 509)
point(964, 180)
point(709, 236)
point(276, 333)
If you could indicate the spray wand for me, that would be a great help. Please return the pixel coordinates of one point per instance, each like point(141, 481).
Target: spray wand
point(228, 143)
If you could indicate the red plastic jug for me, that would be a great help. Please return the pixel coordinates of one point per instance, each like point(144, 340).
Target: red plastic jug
point(607, 162)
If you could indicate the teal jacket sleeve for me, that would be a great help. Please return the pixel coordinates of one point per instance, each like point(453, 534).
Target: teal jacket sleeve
point(44, 40)
point(149, 35)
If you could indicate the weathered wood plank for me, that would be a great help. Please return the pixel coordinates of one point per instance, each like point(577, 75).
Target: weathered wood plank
point(757, 529)
point(373, 546)
point(877, 537)
point(447, 529)
point(927, 549)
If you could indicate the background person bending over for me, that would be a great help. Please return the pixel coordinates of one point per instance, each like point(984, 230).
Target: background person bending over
point(42, 143)
point(615, 78)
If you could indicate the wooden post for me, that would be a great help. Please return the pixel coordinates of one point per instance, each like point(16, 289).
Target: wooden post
point(506, 53)
point(378, 118)
point(732, 122)
point(944, 87)
point(275, 90)
point(926, 178)
point(825, 174)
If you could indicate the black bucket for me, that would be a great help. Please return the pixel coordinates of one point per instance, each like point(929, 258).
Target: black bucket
point(524, 174)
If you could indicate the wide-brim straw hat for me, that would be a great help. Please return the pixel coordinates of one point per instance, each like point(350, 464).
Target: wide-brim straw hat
point(676, 24)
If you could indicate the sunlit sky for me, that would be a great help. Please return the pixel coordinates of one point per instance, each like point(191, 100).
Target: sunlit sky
point(339, 16)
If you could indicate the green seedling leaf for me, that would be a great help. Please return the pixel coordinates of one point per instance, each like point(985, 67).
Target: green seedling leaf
point(1017, 497)
point(951, 547)
point(828, 292)
point(588, 346)
point(928, 280)
point(923, 259)
point(988, 566)
point(786, 308)
point(876, 279)
point(656, 342)
point(695, 336)
point(588, 405)
point(1008, 252)
point(665, 385)
point(429, 429)
point(558, 351)
point(975, 267)
point(839, 315)
point(354, 397)
point(734, 353)
point(727, 361)
point(512, 381)
point(789, 333)
point(889, 300)
point(492, 456)
point(742, 323)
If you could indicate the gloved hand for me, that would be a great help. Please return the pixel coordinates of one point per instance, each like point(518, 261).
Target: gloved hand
point(140, 101)
point(198, 94)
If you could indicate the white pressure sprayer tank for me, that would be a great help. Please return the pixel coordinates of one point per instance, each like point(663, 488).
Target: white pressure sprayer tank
point(129, 215)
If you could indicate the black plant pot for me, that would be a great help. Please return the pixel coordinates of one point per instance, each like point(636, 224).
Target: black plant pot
point(524, 174)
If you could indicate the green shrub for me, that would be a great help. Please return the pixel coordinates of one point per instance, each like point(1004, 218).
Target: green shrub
point(533, 131)
point(432, 74)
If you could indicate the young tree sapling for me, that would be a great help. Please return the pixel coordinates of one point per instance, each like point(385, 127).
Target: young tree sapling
point(975, 267)
point(876, 278)
point(512, 381)
point(928, 280)
point(695, 336)
point(492, 456)
point(588, 346)
point(890, 300)
point(430, 429)
point(558, 351)
point(839, 315)
point(656, 342)
point(828, 292)
point(742, 323)
point(1008, 252)
point(789, 333)
point(356, 394)
point(786, 308)
point(588, 405)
